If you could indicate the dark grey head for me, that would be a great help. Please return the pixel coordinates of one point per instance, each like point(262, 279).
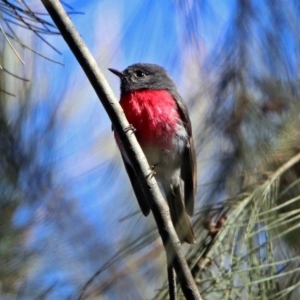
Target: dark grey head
point(144, 76)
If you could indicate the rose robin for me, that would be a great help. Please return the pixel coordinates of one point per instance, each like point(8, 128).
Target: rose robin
point(155, 110)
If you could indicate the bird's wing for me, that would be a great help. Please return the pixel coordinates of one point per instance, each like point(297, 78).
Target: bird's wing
point(139, 193)
point(189, 163)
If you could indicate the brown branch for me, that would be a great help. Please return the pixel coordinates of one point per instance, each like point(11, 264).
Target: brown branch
point(157, 204)
point(172, 283)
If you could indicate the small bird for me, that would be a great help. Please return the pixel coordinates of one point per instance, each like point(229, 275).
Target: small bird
point(155, 110)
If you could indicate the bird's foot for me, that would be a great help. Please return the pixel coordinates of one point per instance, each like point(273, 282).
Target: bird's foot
point(130, 127)
point(152, 172)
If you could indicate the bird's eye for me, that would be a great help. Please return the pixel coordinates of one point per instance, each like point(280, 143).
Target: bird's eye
point(140, 73)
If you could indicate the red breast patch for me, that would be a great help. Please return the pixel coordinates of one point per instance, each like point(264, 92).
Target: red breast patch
point(154, 115)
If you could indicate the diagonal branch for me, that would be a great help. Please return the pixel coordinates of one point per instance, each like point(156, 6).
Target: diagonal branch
point(157, 204)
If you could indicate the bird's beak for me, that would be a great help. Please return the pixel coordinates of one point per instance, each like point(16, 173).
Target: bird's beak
point(116, 72)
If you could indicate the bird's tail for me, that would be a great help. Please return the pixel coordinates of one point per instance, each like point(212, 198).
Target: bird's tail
point(179, 217)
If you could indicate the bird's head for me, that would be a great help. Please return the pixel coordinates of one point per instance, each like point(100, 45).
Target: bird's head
point(144, 76)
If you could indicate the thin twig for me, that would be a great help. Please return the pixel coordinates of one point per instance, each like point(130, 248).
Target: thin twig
point(16, 39)
point(11, 46)
point(15, 75)
point(172, 283)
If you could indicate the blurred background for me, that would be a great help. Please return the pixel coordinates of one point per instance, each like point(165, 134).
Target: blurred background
point(70, 225)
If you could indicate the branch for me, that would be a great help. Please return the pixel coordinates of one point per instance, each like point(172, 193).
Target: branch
point(157, 204)
point(172, 283)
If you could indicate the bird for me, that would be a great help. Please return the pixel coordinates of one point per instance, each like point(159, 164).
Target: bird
point(161, 122)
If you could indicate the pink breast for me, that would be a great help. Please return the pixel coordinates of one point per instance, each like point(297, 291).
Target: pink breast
point(154, 115)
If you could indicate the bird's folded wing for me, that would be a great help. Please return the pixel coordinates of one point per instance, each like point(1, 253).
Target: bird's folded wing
point(189, 163)
point(139, 193)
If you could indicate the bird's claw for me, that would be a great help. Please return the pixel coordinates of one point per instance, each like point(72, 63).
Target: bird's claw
point(152, 172)
point(130, 127)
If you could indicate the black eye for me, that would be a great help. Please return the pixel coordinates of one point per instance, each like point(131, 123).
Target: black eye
point(140, 73)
